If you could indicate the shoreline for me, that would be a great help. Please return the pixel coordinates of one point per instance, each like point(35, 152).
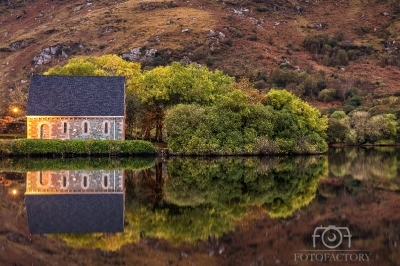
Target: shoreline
point(26, 148)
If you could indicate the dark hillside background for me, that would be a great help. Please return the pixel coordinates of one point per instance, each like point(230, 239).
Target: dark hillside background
point(348, 46)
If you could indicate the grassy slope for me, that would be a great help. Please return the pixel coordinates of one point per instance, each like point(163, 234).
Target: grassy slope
point(253, 42)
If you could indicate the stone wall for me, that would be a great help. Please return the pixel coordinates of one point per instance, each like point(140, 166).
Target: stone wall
point(74, 181)
point(73, 127)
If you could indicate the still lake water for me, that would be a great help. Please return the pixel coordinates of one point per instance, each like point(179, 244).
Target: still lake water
point(342, 208)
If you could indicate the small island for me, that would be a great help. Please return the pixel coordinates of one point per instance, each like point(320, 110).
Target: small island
point(98, 101)
point(87, 106)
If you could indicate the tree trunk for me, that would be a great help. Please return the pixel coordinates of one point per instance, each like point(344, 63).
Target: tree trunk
point(146, 133)
point(159, 128)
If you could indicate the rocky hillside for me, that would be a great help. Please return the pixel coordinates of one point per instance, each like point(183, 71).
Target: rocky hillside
point(348, 45)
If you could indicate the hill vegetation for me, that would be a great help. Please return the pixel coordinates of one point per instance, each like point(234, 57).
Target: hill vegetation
point(336, 55)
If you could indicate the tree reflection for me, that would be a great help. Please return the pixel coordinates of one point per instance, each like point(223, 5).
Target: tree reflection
point(198, 198)
point(363, 164)
point(282, 185)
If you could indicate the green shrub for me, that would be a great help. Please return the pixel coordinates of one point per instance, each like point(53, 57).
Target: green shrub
point(80, 147)
point(352, 55)
point(315, 43)
point(282, 77)
point(97, 147)
point(338, 114)
point(77, 147)
point(332, 43)
point(136, 147)
point(253, 37)
point(201, 53)
point(388, 60)
point(327, 95)
point(342, 58)
point(347, 108)
point(355, 101)
point(37, 146)
point(337, 130)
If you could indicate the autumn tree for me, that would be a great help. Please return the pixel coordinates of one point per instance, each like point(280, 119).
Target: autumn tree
point(164, 87)
point(150, 93)
point(299, 127)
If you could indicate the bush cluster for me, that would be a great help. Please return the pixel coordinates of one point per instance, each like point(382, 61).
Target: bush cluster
point(330, 52)
point(319, 85)
point(327, 95)
point(280, 124)
point(359, 127)
point(352, 103)
point(57, 147)
point(389, 60)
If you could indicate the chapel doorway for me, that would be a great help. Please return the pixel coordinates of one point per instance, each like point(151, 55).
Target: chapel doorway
point(44, 131)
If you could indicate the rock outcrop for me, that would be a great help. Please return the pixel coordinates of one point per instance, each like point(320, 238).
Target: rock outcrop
point(140, 54)
point(47, 54)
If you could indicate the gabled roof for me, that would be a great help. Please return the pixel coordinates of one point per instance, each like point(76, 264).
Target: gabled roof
point(75, 213)
point(76, 96)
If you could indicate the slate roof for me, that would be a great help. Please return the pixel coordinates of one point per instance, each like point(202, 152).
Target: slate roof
point(75, 213)
point(76, 96)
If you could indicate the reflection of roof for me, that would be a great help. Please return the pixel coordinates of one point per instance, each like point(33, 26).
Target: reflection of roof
point(76, 96)
point(75, 213)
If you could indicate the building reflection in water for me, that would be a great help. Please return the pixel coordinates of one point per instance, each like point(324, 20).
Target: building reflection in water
point(75, 201)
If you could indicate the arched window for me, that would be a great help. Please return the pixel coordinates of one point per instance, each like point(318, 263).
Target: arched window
point(64, 182)
point(85, 127)
point(105, 181)
point(65, 127)
point(85, 182)
point(106, 128)
point(44, 179)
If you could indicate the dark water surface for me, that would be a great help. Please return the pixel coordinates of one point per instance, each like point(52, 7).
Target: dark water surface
point(342, 208)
